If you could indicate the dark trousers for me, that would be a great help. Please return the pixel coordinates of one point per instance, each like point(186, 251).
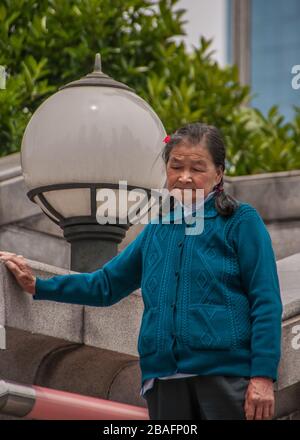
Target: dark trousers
point(198, 398)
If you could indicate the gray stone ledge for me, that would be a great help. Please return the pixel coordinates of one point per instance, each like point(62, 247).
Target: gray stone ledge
point(289, 367)
point(115, 327)
point(2, 338)
point(274, 195)
point(285, 237)
point(10, 166)
point(50, 318)
point(289, 279)
point(14, 203)
point(263, 176)
point(32, 244)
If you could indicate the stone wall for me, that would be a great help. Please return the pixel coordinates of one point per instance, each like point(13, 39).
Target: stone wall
point(92, 350)
point(83, 349)
point(276, 197)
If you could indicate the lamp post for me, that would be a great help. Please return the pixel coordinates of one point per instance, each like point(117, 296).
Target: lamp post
point(88, 136)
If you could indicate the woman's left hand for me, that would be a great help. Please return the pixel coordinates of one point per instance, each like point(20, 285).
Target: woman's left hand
point(259, 399)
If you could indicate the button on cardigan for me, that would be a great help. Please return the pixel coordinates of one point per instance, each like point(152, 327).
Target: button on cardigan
point(188, 210)
point(227, 319)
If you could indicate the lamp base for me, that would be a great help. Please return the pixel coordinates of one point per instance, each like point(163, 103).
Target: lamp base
point(93, 245)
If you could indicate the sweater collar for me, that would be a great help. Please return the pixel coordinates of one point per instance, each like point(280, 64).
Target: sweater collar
point(209, 207)
point(208, 211)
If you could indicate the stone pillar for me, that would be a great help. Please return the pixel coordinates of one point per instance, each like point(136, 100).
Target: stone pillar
point(241, 38)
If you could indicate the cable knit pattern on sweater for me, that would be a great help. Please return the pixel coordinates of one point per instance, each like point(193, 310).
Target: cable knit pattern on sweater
point(215, 294)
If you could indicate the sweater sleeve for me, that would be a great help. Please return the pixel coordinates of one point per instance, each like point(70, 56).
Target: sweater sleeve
point(104, 287)
point(259, 278)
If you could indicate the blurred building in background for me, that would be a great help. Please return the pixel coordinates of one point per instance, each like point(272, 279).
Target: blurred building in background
point(261, 37)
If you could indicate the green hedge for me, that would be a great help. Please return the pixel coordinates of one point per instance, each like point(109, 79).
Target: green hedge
point(47, 43)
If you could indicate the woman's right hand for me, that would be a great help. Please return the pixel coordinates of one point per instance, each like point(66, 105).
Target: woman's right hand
point(20, 269)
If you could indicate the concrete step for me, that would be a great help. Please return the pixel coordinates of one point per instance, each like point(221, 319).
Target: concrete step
point(10, 166)
point(35, 245)
point(38, 238)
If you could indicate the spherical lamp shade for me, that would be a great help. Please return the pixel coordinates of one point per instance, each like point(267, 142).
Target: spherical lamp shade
point(90, 134)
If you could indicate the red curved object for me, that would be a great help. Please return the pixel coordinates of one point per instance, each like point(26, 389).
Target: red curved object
point(60, 405)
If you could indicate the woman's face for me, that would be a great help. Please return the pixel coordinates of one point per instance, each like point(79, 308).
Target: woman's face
point(191, 167)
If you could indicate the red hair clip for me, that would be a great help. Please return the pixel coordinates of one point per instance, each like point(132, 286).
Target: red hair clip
point(167, 139)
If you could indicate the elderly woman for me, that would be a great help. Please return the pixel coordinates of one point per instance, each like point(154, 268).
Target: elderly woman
point(209, 342)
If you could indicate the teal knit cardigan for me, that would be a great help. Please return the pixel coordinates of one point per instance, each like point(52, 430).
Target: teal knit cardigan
point(212, 301)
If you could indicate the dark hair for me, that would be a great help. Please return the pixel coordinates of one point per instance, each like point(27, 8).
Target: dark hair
point(211, 138)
